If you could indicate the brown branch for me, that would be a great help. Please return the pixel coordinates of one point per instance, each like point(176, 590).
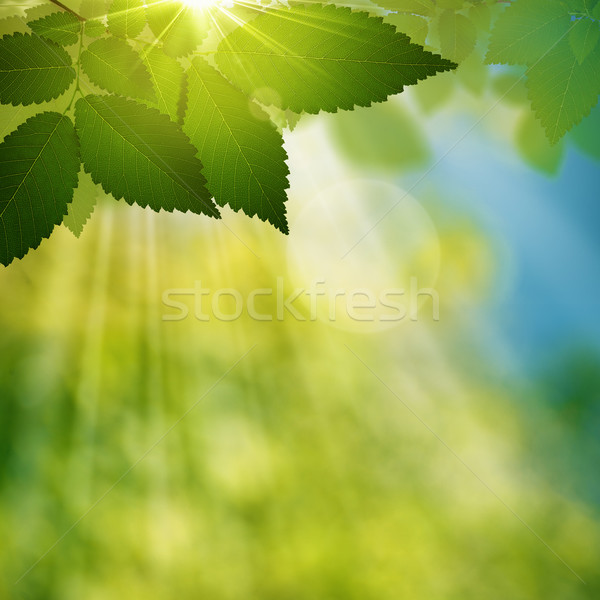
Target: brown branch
point(61, 5)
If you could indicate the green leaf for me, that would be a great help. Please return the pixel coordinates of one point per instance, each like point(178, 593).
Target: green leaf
point(12, 25)
point(40, 10)
point(61, 27)
point(140, 155)
point(415, 27)
point(95, 12)
point(526, 31)
point(126, 18)
point(167, 78)
point(115, 66)
point(242, 152)
point(458, 35)
point(39, 163)
point(323, 58)
point(596, 11)
point(534, 147)
point(94, 28)
point(562, 91)
point(83, 204)
point(383, 138)
point(584, 38)
point(33, 70)
point(178, 26)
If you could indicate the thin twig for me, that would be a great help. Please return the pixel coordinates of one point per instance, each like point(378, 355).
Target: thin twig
point(61, 5)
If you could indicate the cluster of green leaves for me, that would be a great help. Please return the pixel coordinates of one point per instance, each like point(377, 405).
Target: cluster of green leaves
point(557, 41)
point(157, 121)
point(470, 32)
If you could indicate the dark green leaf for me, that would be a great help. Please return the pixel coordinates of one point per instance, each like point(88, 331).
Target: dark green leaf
point(242, 152)
point(115, 66)
point(323, 58)
point(33, 70)
point(61, 27)
point(39, 163)
point(140, 155)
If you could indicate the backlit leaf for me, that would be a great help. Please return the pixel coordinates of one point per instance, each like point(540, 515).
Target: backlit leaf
point(140, 155)
point(323, 58)
point(33, 70)
point(39, 163)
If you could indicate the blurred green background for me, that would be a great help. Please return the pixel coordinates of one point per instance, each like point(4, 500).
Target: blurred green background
point(434, 459)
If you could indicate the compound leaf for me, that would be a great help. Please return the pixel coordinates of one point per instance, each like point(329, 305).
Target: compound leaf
point(526, 31)
point(39, 163)
point(140, 155)
point(33, 70)
point(167, 78)
point(562, 91)
point(323, 58)
point(115, 66)
point(126, 18)
point(240, 148)
point(61, 27)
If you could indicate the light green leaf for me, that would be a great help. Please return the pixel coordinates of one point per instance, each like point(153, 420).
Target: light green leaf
point(94, 9)
point(39, 163)
point(178, 26)
point(242, 152)
point(323, 58)
point(383, 137)
point(534, 147)
point(126, 18)
point(61, 27)
point(481, 15)
point(140, 155)
point(113, 65)
point(584, 38)
point(12, 25)
point(167, 78)
point(33, 70)
point(562, 91)
point(526, 31)
point(415, 27)
point(458, 35)
point(40, 10)
point(94, 28)
point(83, 204)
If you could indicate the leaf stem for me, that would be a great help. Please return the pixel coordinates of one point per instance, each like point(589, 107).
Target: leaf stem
point(77, 88)
point(61, 5)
